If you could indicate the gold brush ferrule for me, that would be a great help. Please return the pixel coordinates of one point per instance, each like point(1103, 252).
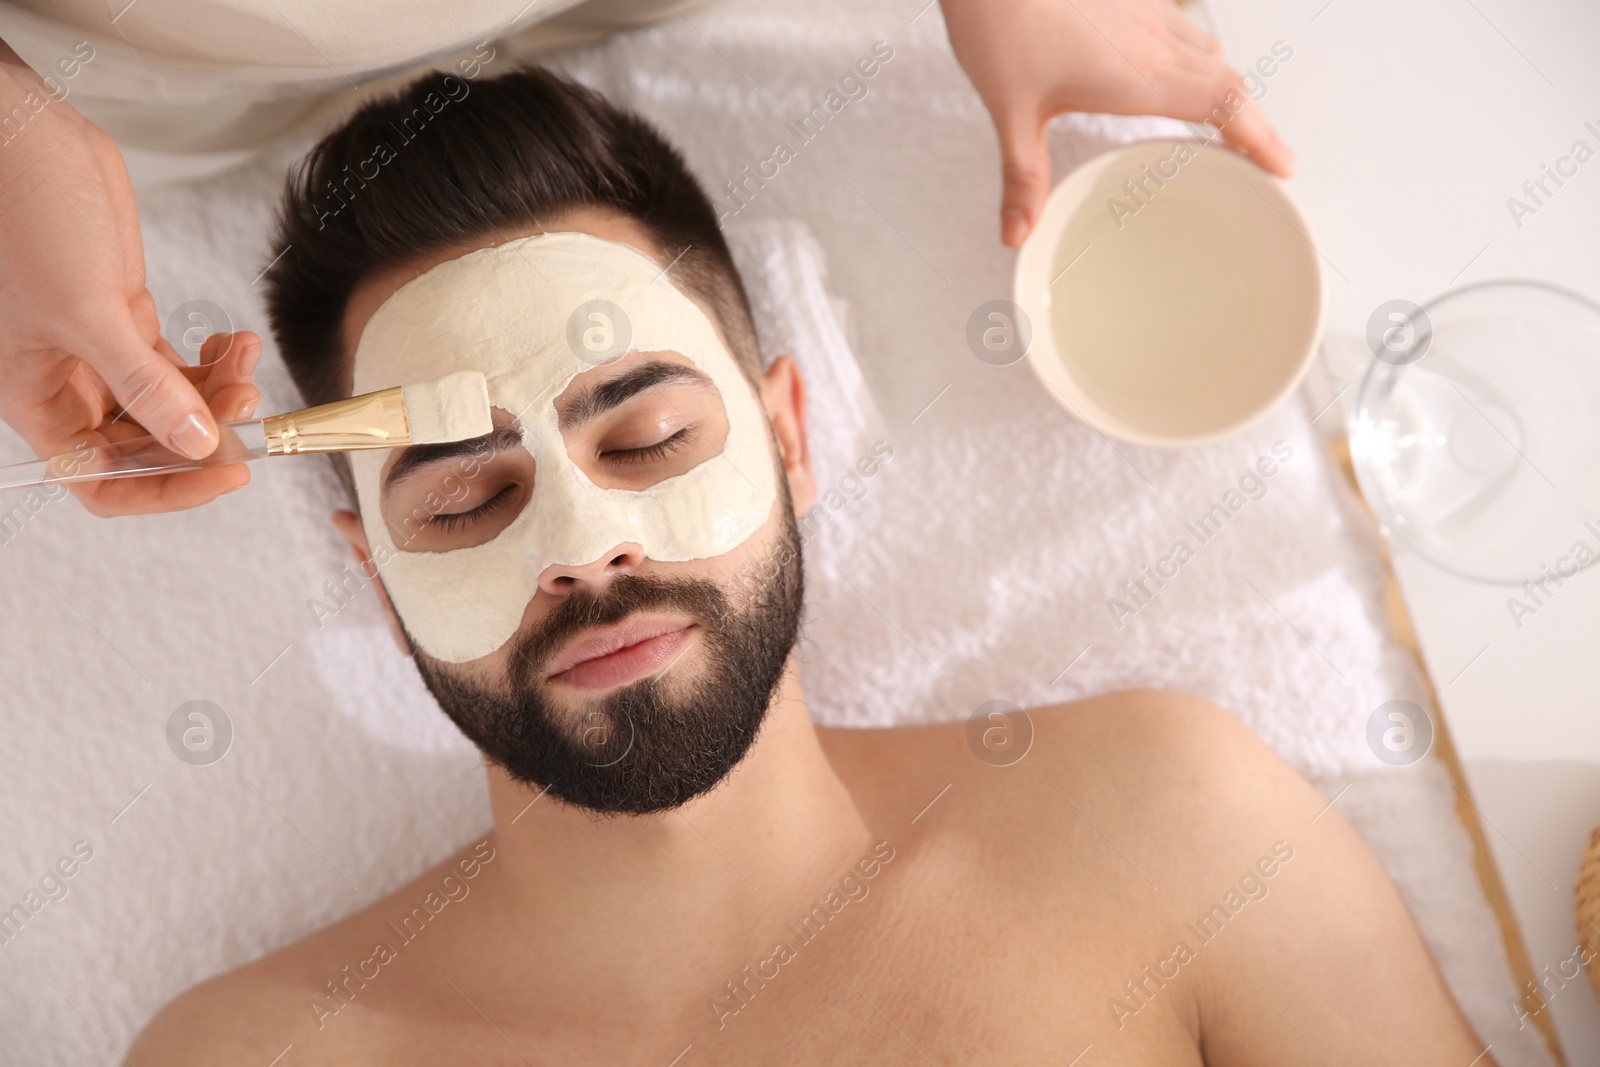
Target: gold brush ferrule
point(373, 420)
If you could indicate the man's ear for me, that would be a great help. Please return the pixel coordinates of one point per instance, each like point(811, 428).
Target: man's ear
point(349, 524)
point(783, 395)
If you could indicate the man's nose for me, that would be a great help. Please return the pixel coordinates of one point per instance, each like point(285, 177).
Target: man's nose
point(561, 579)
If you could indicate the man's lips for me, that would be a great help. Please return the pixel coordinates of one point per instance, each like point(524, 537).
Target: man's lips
point(607, 656)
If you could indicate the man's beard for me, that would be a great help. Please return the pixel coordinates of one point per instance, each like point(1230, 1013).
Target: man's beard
point(638, 749)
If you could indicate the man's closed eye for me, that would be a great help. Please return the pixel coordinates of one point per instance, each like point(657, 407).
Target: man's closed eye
point(660, 450)
point(447, 521)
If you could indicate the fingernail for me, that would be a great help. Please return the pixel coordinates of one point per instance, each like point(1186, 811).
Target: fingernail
point(1013, 224)
point(194, 437)
point(249, 408)
point(248, 360)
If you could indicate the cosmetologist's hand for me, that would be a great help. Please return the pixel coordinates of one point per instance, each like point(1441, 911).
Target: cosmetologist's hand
point(222, 380)
point(1031, 60)
point(80, 341)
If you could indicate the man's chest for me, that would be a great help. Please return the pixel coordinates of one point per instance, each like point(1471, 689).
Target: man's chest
point(993, 987)
point(977, 1017)
point(927, 968)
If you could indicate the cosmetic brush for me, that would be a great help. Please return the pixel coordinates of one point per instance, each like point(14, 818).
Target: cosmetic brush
point(452, 408)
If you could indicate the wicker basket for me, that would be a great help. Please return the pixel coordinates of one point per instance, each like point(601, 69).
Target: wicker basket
point(1588, 899)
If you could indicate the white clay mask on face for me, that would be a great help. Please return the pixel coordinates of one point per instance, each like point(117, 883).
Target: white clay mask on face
point(532, 314)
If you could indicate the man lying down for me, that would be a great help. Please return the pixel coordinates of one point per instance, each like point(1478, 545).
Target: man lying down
point(604, 594)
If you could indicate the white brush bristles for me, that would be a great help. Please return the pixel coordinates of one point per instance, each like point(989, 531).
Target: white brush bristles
point(453, 408)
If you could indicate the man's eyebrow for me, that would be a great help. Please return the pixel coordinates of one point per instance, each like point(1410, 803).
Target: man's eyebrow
point(594, 402)
point(410, 461)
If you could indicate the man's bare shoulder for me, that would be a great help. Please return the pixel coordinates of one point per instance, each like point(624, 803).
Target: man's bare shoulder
point(1223, 878)
point(287, 999)
point(1171, 757)
point(244, 1016)
point(1105, 799)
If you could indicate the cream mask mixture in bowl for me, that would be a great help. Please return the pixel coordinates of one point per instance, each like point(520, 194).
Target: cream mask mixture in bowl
point(532, 314)
point(1173, 293)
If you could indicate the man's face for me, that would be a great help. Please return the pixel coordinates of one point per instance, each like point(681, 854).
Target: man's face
point(614, 632)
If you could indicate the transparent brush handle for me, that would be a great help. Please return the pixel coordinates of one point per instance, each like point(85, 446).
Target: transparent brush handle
point(241, 441)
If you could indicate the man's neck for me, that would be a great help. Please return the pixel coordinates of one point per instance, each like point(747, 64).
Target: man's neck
point(664, 907)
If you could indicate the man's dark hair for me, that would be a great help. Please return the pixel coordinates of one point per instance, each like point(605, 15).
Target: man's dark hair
point(446, 160)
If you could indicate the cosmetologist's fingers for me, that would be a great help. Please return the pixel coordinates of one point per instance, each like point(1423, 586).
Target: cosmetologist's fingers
point(1250, 133)
point(148, 385)
point(162, 492)
point(1024, 171)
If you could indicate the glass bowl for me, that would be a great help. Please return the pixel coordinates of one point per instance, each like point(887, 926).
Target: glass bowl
point(1474, 432)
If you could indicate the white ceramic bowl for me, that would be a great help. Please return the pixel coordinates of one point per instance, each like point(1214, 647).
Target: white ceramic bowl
point(1173, 291)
